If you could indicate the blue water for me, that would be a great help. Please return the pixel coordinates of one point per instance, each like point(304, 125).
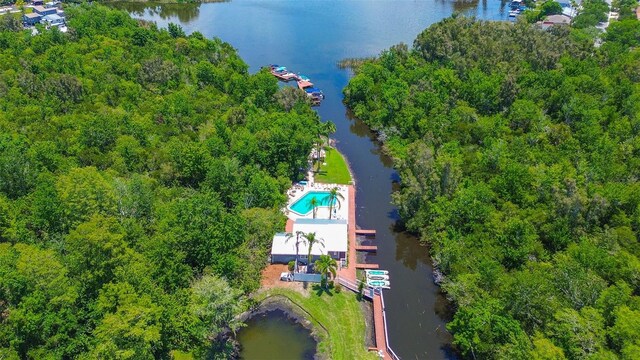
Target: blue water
point(303, 205)
point(311, 36)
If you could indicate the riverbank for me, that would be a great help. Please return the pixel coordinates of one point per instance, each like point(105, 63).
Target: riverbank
point(335, 169)
point(342, 325)
point(414, 305)
point(335, 319)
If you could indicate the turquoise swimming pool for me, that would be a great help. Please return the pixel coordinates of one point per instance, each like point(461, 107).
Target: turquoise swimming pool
point(303, 205)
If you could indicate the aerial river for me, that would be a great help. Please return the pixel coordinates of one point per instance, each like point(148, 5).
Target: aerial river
point(310, 37)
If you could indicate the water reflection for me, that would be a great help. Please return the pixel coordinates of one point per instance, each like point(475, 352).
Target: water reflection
point(182, 12)
point(311, 36)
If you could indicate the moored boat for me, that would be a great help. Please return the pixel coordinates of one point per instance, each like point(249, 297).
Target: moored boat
point(282, 73)
point(379, 284)
point(376, 272)
point(313, 92)
point(378, 277)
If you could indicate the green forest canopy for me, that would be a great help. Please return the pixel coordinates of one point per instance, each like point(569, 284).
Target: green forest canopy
point(141, 176)
point(519, 155)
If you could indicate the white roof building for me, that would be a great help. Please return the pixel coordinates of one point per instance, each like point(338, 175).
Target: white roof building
point(53, 20)
point(334, 234)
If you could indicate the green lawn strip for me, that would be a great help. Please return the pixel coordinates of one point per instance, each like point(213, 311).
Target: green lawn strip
point(335, 171)
point(339, 314)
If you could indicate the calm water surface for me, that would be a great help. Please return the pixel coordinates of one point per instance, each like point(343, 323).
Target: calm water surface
point(310, 37)
point(273, 335)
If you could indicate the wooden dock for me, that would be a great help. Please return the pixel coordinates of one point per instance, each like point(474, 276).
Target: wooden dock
point(367, 266)
point(371, 248)
point(347, 277)
point(364, 232)
point(379, 318)
point(381, 333)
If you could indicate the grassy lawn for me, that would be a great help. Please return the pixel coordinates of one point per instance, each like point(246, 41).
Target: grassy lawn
point(339, 313)
point(335, 171)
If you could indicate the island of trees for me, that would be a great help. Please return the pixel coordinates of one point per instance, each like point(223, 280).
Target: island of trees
point(141, 176)
point(519, 156)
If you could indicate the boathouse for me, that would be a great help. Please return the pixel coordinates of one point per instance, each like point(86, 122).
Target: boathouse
point(334, 235)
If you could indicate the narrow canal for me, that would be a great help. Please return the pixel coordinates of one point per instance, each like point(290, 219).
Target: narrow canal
point(310, 37)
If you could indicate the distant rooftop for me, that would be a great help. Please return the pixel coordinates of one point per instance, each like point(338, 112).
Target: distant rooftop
point(52, 17)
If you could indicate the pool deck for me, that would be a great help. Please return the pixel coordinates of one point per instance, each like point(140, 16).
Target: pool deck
point(299, 191)
point(348, 272)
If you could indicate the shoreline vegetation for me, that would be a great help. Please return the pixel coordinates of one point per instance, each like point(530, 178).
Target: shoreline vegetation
point(513, 170)
point(335, 319)
point(353, 63)
point(142, 173)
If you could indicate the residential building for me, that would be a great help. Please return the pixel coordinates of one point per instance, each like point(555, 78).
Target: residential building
point(53, 20)
point(42, 11)
point(552, 20)
point(333, 233)
point(31, 19)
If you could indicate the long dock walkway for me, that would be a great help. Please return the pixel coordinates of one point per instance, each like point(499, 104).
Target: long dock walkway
point(349, 272)
point(380, 328)
point(347, 277)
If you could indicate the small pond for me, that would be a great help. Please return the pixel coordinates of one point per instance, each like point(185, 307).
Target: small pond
point(274, 335)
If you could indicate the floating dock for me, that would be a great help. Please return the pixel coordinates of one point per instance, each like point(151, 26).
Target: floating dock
point(370, 248)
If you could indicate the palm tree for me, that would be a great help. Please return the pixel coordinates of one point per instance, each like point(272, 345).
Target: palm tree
point(324, 130)
point(334, 199)
point(329, 128)
point(314, 205)
point(312, 240)
point(289, 237)
point(326, 265)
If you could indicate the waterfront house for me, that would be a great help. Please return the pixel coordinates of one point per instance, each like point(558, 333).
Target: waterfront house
point(333, 233)
point(31, 19)
point(53, 20)
point(42, 11)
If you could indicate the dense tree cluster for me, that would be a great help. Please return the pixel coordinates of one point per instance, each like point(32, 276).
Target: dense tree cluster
point(141, 176)
point(591, 13)
point(519, 155)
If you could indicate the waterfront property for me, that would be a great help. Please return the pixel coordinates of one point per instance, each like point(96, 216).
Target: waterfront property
point(334, 169)
point(337, 318)
point(332, 232)
point(304, 205)
point(301, 206)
